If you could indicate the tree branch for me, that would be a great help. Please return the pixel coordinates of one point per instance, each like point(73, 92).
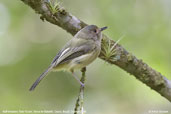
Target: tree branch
point(117, 55)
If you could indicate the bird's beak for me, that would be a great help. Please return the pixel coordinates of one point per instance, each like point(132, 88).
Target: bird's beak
point(103, 28)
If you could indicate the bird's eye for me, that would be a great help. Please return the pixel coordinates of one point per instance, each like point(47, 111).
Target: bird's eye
point(95, 30)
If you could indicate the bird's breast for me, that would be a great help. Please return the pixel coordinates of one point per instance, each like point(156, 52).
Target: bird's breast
point(83, 61)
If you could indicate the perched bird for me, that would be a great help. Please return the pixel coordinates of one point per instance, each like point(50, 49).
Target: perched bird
point(80, 51)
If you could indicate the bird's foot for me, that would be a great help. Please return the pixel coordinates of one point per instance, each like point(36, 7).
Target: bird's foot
point(82, 85)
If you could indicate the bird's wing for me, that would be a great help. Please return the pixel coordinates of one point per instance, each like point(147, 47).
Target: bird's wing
point(61, 51)
point(70, 52)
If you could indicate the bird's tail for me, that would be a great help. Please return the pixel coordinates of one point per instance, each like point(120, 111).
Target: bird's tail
point(40, 78)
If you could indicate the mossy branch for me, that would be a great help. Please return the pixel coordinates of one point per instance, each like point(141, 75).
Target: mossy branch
point(118, 56)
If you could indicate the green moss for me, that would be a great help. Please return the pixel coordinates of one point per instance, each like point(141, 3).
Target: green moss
point(55, 6)
point(62, 11)
point(159, 81)
point(135, 62)
point(130, 57)
point(109, 50)
point(144, 67)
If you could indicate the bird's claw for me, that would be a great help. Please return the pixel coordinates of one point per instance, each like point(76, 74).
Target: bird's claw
point(82, 85)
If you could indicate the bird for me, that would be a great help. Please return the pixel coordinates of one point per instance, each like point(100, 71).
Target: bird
point(79, 52)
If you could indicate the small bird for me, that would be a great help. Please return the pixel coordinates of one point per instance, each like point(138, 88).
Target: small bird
point(79, 52)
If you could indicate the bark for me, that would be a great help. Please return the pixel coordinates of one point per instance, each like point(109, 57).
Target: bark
point(111, 52)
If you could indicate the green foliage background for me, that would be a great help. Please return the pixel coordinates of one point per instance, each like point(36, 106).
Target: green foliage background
point(27, 46)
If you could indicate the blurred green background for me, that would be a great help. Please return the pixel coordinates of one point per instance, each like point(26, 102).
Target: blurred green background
point(28, 45)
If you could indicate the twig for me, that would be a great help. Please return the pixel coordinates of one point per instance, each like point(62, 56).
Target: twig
point(80, 99)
